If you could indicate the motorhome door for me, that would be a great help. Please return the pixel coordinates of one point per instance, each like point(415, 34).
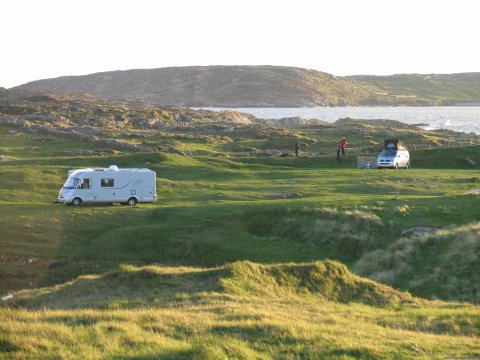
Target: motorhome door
point(106, 191)
point(147, 193)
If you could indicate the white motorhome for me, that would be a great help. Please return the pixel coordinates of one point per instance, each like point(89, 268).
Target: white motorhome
point(109, 185)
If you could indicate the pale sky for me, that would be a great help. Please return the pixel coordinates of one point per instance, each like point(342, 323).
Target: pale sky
point(49, 38)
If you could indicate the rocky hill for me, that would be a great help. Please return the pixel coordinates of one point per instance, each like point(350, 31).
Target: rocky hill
point(226, 86)
point(262, 86)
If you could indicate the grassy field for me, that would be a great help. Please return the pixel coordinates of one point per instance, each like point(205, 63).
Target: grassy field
point(232, 261)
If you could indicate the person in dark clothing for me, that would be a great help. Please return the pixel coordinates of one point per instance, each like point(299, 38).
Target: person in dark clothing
point(297, 148)
point(339, 151)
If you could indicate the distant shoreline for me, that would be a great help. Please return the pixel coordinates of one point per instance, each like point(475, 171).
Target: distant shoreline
point(464, 119)
point(233, 107)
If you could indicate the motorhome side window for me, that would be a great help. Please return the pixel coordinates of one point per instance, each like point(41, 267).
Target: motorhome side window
point(85, 184)
point(106, 183)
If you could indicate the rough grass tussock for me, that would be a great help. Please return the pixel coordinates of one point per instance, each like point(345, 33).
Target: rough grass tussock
point(349, 232)
point(443, 264)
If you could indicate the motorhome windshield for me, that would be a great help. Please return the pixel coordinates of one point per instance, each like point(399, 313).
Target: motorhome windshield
point(389, 153)
point(71, 183)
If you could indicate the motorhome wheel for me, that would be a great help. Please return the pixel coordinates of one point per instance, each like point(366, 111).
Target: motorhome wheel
point(132, 201)
point(76, 202)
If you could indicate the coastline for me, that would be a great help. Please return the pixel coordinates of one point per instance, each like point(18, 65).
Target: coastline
point(457, 118)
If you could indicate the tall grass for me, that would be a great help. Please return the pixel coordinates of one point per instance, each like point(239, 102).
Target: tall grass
point(442, 264)
point(243, 328)
point(244, 310)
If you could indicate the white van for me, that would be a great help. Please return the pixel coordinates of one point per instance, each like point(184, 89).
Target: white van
point(109, 185)
point(395, 155)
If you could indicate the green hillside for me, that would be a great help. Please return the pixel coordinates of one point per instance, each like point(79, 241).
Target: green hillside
point(249, 252)
point(443, 89)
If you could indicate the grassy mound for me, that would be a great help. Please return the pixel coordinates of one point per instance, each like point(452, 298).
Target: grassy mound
point(443, 264)
point(127, 287)
point(329, 280)
point(130, 286)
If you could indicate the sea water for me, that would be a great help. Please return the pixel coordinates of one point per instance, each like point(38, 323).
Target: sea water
point(456, 118)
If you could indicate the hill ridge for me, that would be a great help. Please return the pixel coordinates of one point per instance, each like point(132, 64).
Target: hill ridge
point(262, 86)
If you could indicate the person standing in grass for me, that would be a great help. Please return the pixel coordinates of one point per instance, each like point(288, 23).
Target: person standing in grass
point(297, 148)
point(341, 148)
point(342, 145)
